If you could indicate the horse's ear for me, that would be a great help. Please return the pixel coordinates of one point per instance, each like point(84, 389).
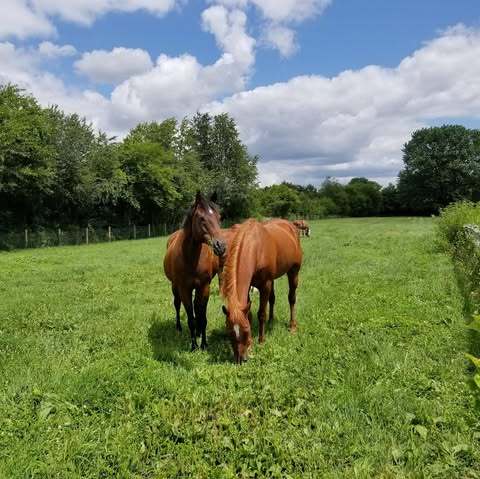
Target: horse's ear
point(214, 197)
point(225, 310)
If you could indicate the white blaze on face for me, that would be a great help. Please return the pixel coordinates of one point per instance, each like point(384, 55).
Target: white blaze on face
point(210, 211)
point(236, 329)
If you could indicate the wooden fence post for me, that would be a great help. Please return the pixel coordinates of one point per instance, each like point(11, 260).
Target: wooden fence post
point(109, 233)
point(59, 236)
point(134, 232)
point(86, 235)
point(149, 230)
point(164, 229)
point(26, 237)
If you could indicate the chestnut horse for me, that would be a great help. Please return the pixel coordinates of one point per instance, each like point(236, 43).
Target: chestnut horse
point(259, 253)
point(191, 262)
point(302, 227)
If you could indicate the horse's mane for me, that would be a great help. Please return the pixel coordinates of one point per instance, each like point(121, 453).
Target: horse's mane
point(229, 281)
point(205, 204)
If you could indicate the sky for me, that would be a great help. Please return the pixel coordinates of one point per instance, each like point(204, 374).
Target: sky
point(318, 88)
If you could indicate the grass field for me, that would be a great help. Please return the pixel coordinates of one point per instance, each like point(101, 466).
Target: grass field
point(95, 381)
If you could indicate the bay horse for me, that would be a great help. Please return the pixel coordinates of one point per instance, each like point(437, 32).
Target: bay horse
point(259, 254)
point(192, 261)
point(302, 227)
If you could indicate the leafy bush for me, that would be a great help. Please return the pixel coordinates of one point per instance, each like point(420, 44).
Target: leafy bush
point(453, 218)
point(458, 231)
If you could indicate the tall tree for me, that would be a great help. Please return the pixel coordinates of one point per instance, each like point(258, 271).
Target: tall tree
point(27, 166)
point(442, 165)
point(364, 196)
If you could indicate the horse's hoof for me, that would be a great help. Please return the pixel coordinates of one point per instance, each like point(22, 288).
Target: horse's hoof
point(204, 346)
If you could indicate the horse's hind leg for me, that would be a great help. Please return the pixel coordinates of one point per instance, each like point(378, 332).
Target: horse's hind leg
point(186, 297)
point(292, 296)
point(200, 305)
point(177, 303)
point(271, 301)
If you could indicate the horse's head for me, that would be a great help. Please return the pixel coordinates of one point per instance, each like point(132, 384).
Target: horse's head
point(205, 223)
point(238, 328)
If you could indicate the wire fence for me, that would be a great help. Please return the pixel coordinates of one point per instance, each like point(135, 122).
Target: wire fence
point(41, 237)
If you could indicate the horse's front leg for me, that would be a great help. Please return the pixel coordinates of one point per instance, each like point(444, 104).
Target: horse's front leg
point(177, 303)
point(200, 305)
point(262, 309)
point(186, 297)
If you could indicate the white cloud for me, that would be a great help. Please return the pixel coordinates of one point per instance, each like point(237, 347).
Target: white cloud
point(113, 66)
point(356, 123)
point(281, 10)
point(51, 50)
point(281, 38)
point(86, 11)
point(353, 124)
point(229, 29)
point(278, 15)
point(18, 19)
point(24, 18)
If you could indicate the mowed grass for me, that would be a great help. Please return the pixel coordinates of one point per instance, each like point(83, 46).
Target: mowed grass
point(95, 381)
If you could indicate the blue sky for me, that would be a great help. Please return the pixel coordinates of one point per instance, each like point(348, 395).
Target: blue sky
point(318, 87)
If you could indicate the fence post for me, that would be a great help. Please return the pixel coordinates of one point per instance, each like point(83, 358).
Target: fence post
point(59, 236)
point(149, 230)
point(109, 233)
point(86, 235)
point(26, 237)
point(134, 232)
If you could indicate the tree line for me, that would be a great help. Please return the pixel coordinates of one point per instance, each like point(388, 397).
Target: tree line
point(56, 169)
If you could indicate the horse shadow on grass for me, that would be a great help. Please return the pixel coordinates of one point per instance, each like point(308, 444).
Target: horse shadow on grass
point(173, 347)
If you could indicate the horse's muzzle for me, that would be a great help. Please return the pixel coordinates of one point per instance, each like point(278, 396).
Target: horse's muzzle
point(219, 247)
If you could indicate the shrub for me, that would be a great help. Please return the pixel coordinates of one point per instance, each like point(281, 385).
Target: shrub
point(458, 231)
point(453, 218)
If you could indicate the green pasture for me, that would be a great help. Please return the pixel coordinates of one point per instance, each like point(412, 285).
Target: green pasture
point(95, 382)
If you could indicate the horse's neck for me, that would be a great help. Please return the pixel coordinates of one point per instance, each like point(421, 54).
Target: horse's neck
point(191, 247)
point(245, 269)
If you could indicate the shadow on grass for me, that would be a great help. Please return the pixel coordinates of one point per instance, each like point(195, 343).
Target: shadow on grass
point(170, 346)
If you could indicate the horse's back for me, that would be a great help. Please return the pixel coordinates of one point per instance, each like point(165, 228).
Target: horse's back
point(283, 237)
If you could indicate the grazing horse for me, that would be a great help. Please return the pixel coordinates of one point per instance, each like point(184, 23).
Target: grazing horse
point(302, 227)
point(259, 253)
point(191, 262)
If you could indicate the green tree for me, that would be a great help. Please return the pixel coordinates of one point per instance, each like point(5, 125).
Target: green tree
point(280, 201)
point(27, 168)
point(392, 204)
point(442, 165)
point(364, 196)
point(163, 133)
point(232, 172)
point(333, 190)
